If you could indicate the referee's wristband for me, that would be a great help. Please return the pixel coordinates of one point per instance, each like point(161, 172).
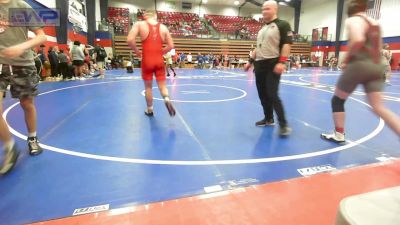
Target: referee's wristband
point(283, 59)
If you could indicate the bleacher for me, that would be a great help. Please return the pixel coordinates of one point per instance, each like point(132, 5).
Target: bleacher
point(182, 24)
point(239, 48)
point(119, 19)
point(223, 24)
point(229, 24)
point(176, 22)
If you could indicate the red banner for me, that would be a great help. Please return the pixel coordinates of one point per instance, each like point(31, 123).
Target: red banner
point(325, 34)
point(315, 35)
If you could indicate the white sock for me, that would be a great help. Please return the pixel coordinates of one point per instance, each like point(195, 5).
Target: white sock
point(33, 134)
point(150, 109)
point(166, 98)
point(9, 145)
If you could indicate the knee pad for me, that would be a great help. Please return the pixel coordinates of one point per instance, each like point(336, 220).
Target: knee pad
point(337, 104)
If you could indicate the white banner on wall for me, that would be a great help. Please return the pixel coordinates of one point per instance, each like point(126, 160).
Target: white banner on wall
point(170, 5)
point(77, 13)
point(47, 3)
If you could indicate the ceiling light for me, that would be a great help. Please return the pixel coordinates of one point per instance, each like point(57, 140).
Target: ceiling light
point(205, 1)
point(236, 2)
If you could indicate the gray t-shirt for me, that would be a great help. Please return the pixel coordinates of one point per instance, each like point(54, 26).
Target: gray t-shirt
point(271, 38)
point(62, 58)
point(10, 36)
point(77, 53)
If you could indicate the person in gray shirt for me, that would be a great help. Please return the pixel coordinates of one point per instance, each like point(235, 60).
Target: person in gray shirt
point(77, 57)
point(17, 68)
point(63, 66)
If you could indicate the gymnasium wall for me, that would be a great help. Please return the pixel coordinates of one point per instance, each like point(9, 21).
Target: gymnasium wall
point(284, 12)
point(97, 11)
point(47, 3)
point(248, 10)
point(104, 39)
point(177, 7)
point(322, 13)
point(314, 14)
point(132, 6)
point(51, 31)
point(218, 10)
point(390, 10)
point(389, 14)
point(318, 14)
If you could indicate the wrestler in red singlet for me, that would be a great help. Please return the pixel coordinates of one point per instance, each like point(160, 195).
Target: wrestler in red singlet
point(152, 59)
point(153, 35)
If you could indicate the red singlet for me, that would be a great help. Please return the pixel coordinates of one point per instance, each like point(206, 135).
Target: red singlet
point(152, 58)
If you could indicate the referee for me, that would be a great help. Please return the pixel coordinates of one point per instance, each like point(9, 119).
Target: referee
point(269, 58)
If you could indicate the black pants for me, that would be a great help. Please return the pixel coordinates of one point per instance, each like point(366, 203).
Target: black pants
point(70, 71)
point(38, 66)
point(268, 87)
point(54, 70)
point(63, 68)
point(171, 68)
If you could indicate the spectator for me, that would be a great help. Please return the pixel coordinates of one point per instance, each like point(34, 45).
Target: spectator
point(41, 54)
point(237, 32)
point(332, 63)
point(100, 55)
point(200, 61)
point(18, 72)
point(78, 57)
point(63, 64)
point(53, 58)
point(168, 60)
point(38, 63)
point(182, 58)
point(386, 58)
